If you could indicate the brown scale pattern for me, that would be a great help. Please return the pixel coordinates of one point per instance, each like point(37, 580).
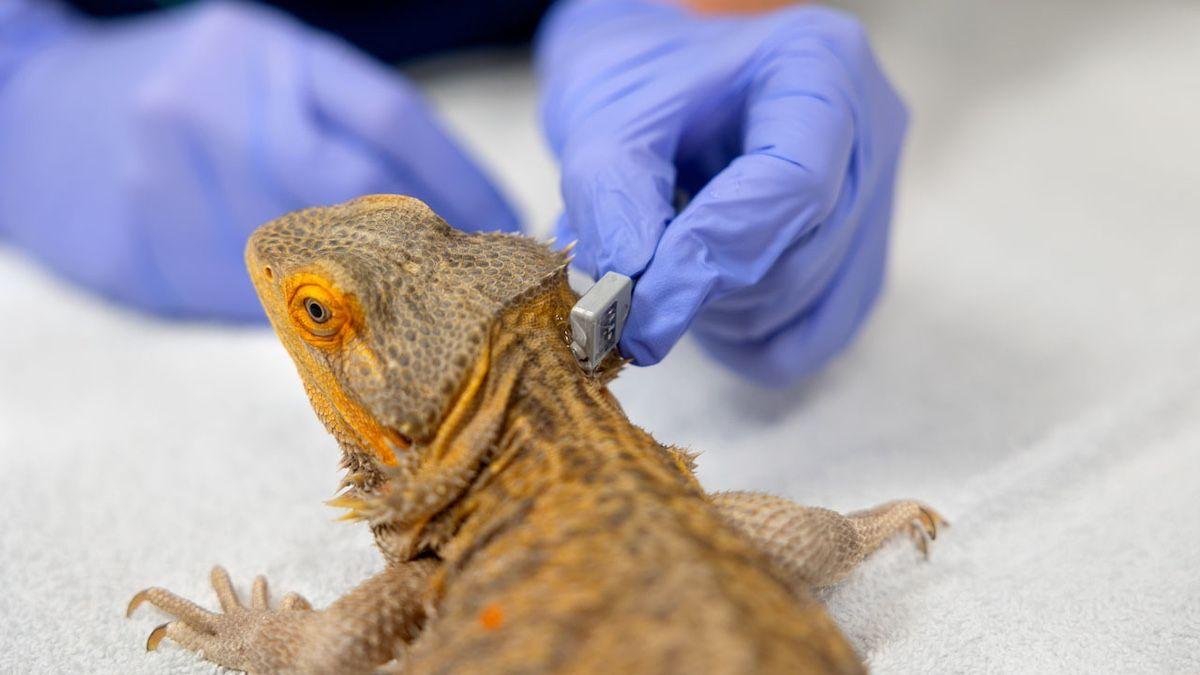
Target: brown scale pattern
point(529, 527)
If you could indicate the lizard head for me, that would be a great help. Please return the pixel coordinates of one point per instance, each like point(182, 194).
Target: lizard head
point(385, 310)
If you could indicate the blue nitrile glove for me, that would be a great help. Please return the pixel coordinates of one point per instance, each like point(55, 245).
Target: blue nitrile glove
point(782, 129)
point(136, 156)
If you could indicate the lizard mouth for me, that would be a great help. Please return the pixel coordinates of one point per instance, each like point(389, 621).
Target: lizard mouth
point(384, 442)
point(394, 444)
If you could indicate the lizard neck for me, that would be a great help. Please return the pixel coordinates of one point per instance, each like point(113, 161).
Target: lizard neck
point(555, 404)
point(560, 428)
point(528, 418)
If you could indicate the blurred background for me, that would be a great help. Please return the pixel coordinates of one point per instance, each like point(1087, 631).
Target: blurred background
point(1032, 370)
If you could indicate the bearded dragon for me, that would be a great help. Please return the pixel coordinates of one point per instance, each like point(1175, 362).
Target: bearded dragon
point(527, 525)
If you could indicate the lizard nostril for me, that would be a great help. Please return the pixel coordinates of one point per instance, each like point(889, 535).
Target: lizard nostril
point(270, 273)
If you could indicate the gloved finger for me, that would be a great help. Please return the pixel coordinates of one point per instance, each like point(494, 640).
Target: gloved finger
point(797, 280)
point(617, 196)
point(388, 115)
point(824, 327)
point(189, 264)
point(317, 163)
point(257, 167)
point(286, 149)
point(798, 141)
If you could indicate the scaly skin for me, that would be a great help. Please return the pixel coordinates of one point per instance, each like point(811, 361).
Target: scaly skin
point(527, 525)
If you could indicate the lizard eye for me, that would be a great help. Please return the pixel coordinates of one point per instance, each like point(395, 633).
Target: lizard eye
point(316, 311)
point(320, 311)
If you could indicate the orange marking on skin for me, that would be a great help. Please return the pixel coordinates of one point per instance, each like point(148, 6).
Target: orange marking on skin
point(492, 617)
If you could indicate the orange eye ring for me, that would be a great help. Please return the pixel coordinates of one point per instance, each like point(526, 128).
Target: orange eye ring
point(319, 311)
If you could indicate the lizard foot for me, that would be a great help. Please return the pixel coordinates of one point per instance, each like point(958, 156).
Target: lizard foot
point(254, 638)
point(918, 521)
point(818, 547)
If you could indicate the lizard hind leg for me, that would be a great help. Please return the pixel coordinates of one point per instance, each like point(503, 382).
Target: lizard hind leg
point(818, 547)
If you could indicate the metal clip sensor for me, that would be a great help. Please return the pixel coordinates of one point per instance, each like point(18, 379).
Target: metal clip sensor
point(598, 319)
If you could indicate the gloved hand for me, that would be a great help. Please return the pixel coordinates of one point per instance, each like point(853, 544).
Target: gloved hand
point(785, 134)
point(136, 156)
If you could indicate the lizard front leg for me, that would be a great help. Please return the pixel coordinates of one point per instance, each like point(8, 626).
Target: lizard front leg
point(817, 547)
point(357, 633)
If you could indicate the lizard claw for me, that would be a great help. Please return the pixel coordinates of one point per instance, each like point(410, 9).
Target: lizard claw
point(932, 521)
point(156, 636)
point(134, 603)
point(924, 528)
point(921, 538)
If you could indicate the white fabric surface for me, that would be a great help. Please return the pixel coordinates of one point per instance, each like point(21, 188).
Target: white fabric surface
point(1033, 371)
